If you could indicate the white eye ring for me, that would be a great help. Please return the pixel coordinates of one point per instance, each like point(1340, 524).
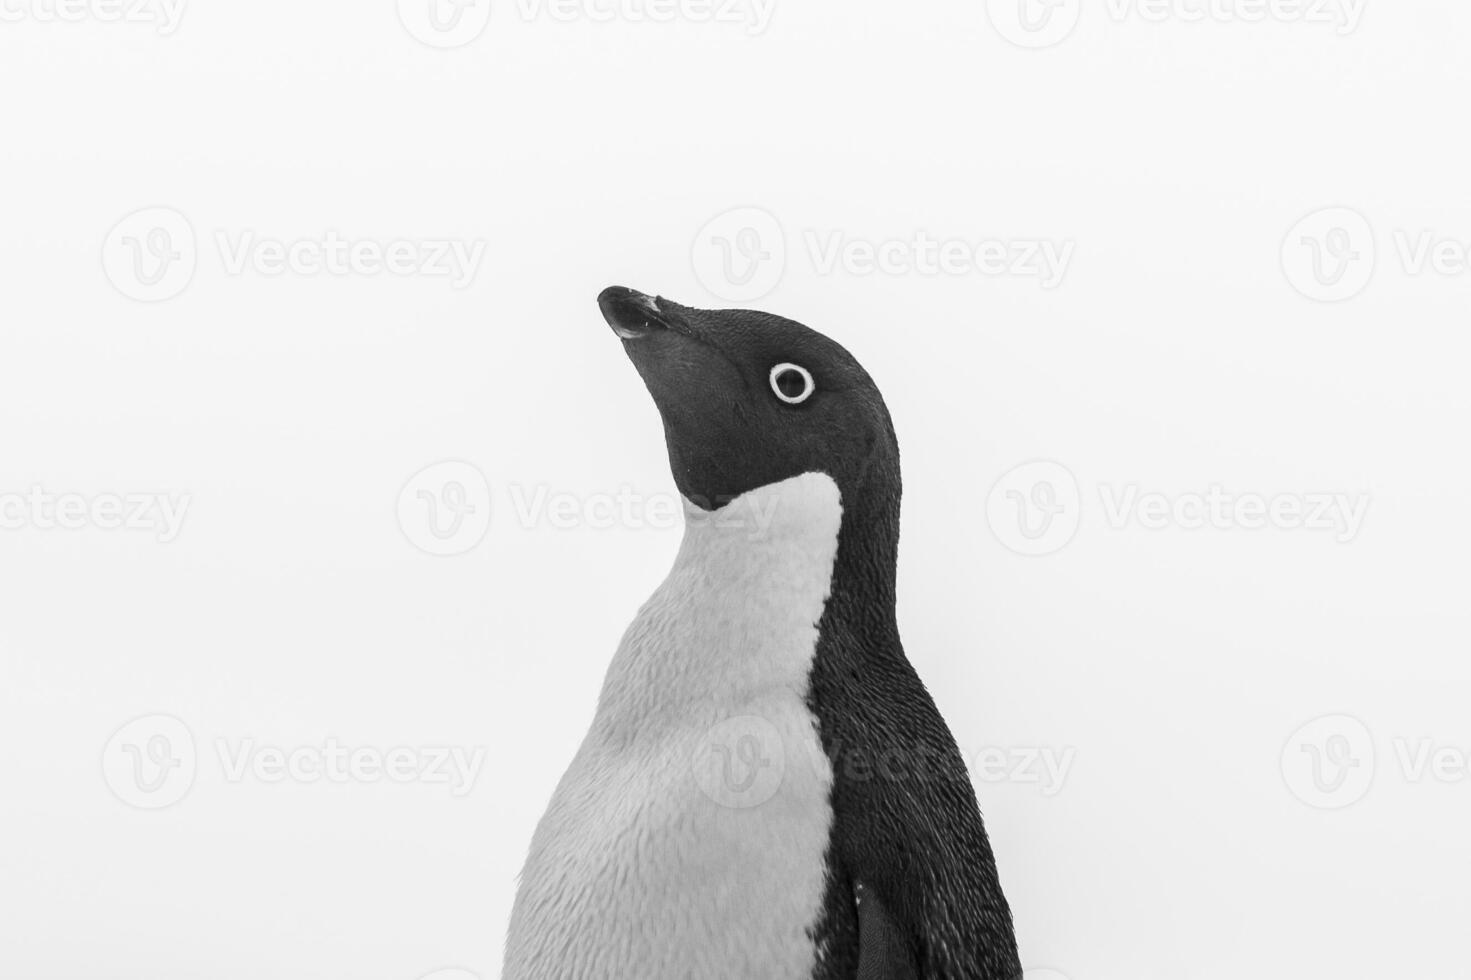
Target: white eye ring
point(808, 385)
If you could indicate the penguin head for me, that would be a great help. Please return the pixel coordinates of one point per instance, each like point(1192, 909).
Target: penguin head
point(750, 399)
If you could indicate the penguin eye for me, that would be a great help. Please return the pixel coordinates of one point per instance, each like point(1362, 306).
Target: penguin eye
point(792, 383)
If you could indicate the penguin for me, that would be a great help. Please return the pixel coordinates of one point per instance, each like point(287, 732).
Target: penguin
point(767, 790)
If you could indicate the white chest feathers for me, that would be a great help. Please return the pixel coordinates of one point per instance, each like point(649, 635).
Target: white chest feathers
point(688, 837)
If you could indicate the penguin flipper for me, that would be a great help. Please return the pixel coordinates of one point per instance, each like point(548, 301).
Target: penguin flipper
point(911, 832)
point(883, 953)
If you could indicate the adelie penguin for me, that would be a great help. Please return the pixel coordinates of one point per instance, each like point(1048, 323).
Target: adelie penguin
point(767, 790)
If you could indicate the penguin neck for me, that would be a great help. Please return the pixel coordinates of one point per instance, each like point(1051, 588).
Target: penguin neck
point(736, 620)
point(864, 587)
point(795, 521)
point(752, 590)
point(807, 533)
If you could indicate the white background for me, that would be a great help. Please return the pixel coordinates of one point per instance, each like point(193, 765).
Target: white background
point(1181, 351)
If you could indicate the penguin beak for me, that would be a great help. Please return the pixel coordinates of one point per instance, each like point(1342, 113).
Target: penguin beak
point(632, 314)
point(696, 387)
